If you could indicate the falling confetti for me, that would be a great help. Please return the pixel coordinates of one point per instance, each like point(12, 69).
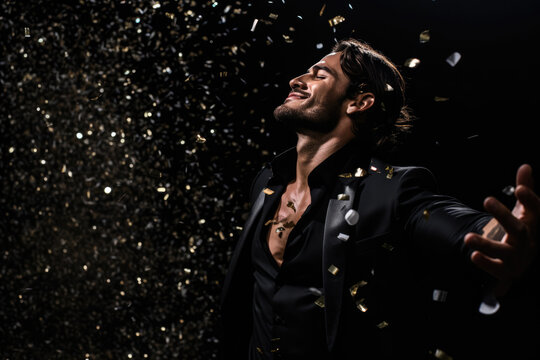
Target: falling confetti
point(509, 190)
point(412, 62)
point(336, 20)
point(290, 204)
point(425, 36)
point(131, 135)
point(453, 59)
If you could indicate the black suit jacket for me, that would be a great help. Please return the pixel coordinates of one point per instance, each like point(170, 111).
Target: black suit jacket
point(404, 278)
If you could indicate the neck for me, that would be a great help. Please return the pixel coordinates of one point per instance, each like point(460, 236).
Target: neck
point(313, 150)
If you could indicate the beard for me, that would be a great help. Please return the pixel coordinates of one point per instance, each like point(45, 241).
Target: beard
point(305, 119)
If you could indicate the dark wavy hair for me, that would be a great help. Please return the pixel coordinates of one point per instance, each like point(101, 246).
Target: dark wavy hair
point(370, 71)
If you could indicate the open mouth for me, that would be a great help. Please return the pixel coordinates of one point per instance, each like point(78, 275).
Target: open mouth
point(293, 95)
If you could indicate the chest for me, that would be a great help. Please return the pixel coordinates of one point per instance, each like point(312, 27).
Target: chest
point(289, 211)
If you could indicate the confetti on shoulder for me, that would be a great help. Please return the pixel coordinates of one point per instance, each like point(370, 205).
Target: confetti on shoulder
point(268, 191)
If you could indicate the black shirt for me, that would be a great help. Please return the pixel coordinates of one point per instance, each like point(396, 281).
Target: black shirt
point(288, 318)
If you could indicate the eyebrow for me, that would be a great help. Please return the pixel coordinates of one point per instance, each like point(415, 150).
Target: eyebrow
point(325, 68)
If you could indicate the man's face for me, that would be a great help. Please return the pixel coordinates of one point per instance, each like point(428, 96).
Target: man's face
point(315, 103)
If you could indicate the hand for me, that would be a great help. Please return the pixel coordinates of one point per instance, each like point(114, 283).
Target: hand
point(509, 243)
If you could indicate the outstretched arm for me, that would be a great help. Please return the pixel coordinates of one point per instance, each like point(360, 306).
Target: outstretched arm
point(509, 243)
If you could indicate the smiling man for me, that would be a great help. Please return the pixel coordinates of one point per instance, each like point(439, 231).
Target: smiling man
point(346, 257)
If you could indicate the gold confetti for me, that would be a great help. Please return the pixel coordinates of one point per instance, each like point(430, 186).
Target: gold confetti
point(287, 38)
point(360, 172)
point(389, 88)
point(259, 350)
point(290, 204)
point(354, 289)
point(439, 354)
point(200, 139)
point(333, 269)
point(345, 175)
point(382, 325)
point(26, 32)
point(360, 304)
point(412, 62)
point(273, 16)
point(336, 20)
point(320, 301)
point(322, 10)
point(343, 197)
point(268, 191)
point(289, 224)
point(425, 36)
point(390, 172)
point(387, 246)
point(440, 98)
point(425, 214)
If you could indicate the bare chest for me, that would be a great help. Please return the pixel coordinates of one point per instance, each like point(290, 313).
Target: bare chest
point(289, 211)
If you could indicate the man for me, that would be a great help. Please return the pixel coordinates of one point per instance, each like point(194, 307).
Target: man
point(346, 258)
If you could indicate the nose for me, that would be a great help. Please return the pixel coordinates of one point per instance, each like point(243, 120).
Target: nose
point(298, 82)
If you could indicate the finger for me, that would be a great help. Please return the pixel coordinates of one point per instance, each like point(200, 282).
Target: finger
point(491, 248)
point(524, 176)
point(528, 199)
point(508, 221)
point(494, 267)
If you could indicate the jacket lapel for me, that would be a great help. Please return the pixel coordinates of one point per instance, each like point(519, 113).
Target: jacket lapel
point(253, 214)
point(336, 232)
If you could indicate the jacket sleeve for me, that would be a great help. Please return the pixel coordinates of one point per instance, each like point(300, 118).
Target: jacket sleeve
point(434, 223)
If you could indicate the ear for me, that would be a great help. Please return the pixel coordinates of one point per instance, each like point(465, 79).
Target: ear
point(360, 103)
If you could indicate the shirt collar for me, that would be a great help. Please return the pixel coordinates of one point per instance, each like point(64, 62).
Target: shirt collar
point(343, 162)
